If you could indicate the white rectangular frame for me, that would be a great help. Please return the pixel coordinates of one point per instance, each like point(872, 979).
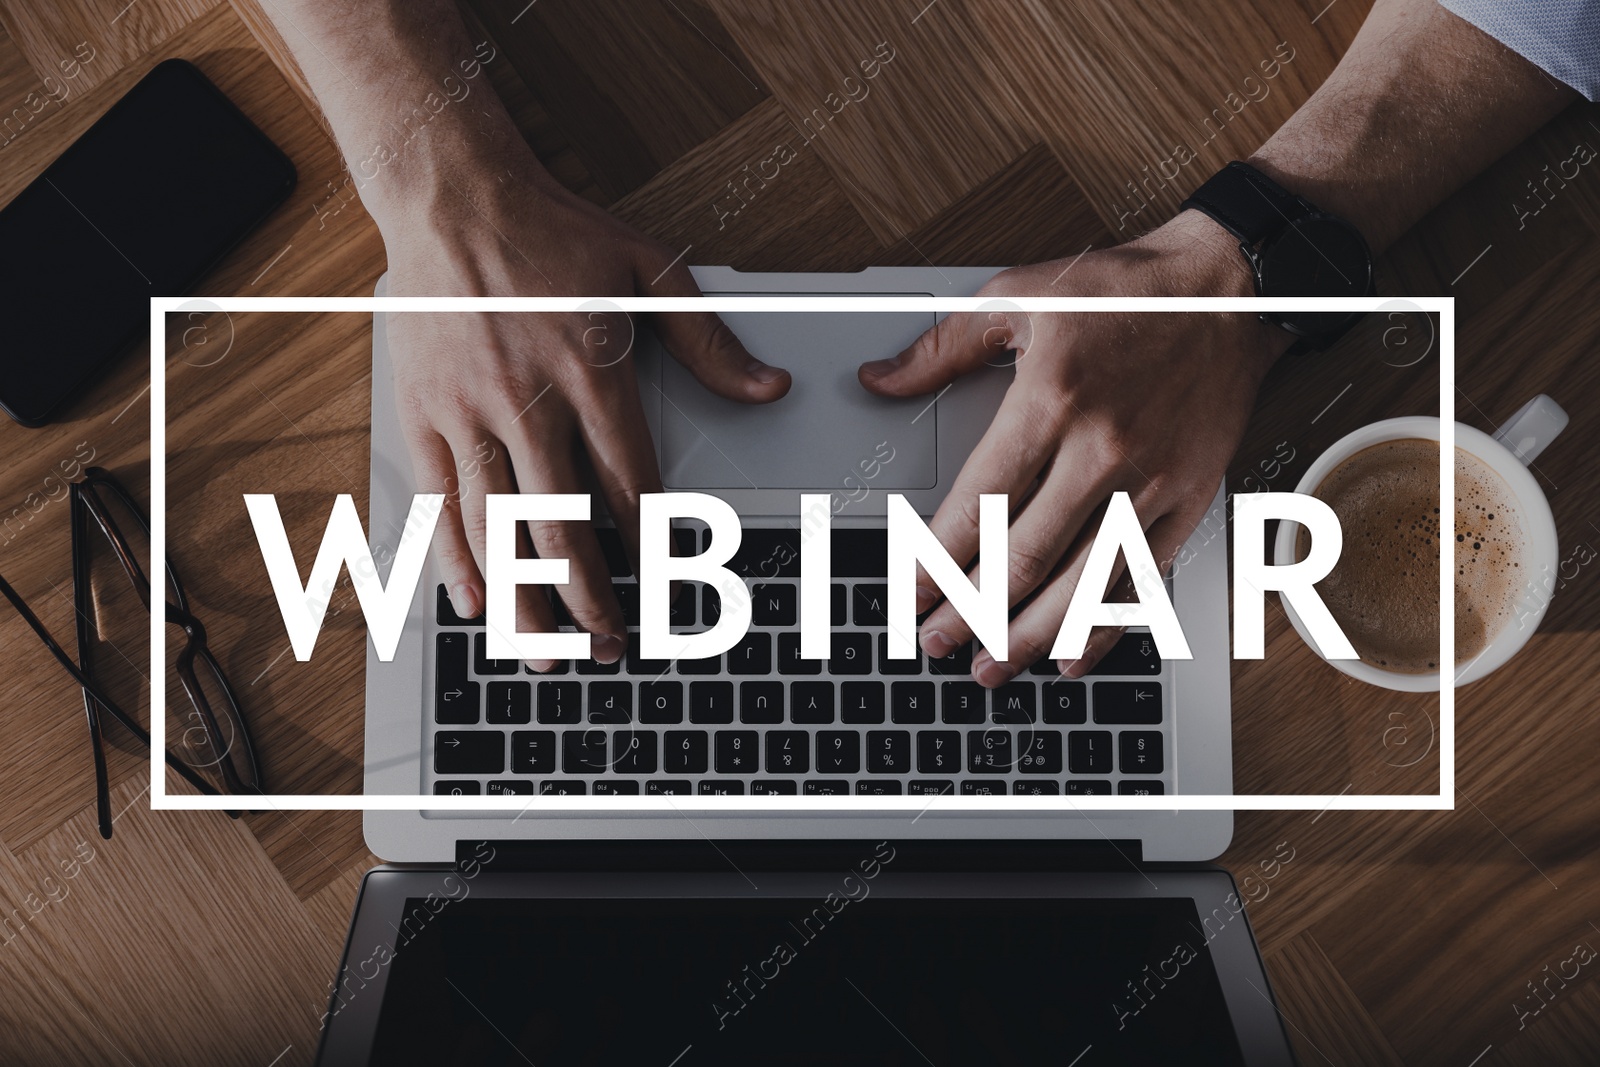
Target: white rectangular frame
point(1444, 800)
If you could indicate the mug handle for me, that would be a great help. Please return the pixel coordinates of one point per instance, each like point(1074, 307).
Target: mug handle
point(1532, 428)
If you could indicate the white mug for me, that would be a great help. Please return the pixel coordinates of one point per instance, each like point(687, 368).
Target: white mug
point(1507, 453)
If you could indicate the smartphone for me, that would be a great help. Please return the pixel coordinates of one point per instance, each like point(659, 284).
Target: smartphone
point(142, 205)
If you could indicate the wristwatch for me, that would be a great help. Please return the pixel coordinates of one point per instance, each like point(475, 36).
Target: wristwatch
point(1293, 249)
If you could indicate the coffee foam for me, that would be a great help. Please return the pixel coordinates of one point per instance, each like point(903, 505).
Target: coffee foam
point(1384, 592)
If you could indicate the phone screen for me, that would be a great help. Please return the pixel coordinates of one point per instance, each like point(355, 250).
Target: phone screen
point(142, 205)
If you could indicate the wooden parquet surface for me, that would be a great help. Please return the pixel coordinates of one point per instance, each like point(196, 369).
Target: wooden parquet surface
point(1001, 131)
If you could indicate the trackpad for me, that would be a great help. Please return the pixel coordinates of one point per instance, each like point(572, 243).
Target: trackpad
point(825, 430)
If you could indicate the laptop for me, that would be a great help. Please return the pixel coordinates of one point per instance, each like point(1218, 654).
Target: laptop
point(1009, 916)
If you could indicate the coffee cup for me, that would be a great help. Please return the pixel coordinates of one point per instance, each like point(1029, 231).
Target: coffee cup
point(1507, 454)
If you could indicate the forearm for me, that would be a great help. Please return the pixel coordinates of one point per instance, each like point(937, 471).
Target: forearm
point(393, 81)
point(1421, 102)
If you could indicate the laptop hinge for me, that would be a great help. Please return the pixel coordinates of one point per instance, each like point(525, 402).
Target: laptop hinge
point(803, 855)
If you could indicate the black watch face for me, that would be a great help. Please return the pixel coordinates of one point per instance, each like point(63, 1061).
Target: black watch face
point(1318, 255)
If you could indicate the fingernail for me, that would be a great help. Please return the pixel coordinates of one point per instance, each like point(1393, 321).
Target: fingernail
point(605, 648)
point(991, 674)
point(879, 367)
point(937, 645)
point(1074, 668)
point(926, 596)
point(541, 666)
point(464, 599)
point(762, 372)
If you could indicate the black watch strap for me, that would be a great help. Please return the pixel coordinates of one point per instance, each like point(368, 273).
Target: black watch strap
point(1247, 203)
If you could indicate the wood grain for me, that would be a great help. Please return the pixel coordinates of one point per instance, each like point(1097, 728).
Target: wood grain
point(1003, 131)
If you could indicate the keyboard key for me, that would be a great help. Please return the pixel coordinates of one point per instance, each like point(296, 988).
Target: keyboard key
point(458, 787)
point(837, 600)
point(1127, 703)
point(680, 611)
point(507, 787)
point(450, 658)
point(533, 752)
point(637, 664)
point(775, 605)
point(633, 752)
point(722, 789)
point(788, 751)
point(1139, 752)
point(737, 751)
point(610, 787)
point(818, 788)
point(897, 666)
point(779, 788)
point(457, 705)
point(963, 702)
point(710, 605)
point(1138, 788)
point(685, 752)
point(660, 702)
point(888, 751)
point(712, 665)
point(591, 666)
point(789, 661)
point(469, 752)
point(1040, 788)
point(851, 653)
point(446, 614)
point(482, 664)
point(563, 788)
point(970, 788)
point(930, 787)
point(957, 664)
point(711, 702)
point(584, 752)
point(938, 752)
point(838, 752)
point(877, 788)
point(768, 552)
point(870, 605)
point(658, 787)
point(1088, 789)
point(753, 655)
point(761, 702)
point(1039, 751)
point(611, 702)
point(860, 553)
point(911, 702)
point(616, 554)
point(509, 702)
point(861, 702)
point(1013, 703)
point(561, 702)
point(1089, 752)
point(989, 751)
point(628, 599)
point(1134, 655)
point(810, 702)
point(1065, 702)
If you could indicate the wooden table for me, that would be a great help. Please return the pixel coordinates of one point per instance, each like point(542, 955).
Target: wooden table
point(1000, 132)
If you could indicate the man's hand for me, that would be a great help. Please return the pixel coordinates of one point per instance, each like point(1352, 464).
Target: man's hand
point(540, 403)
point(1150, 404)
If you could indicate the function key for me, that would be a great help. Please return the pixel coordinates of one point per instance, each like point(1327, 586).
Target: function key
point(1088, 789)
point(970, 788)
point(1127, 703)
point(930, 787)
point(562, 788)
point(507, 787)
point(877, 787)
point(1140, 788)
point(457, 788)
point(826, 788)
point(607, 787)
point(722, 789)
point(659, 787)
point(1040, 788)
point(771, 789)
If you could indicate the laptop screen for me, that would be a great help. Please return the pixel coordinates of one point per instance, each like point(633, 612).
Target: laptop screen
point(729, 981)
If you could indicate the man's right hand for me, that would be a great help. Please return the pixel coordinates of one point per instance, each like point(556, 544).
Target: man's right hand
point(539, 403)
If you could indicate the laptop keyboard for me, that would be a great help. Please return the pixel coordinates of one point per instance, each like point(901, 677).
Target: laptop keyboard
point(759, 720)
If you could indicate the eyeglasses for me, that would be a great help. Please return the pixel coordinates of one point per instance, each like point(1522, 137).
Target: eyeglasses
point(214, 753)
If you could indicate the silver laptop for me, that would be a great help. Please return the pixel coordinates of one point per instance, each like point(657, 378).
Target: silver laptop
point(443, 718)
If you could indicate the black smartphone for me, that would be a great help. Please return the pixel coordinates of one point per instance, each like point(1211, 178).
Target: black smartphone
point(142, 205)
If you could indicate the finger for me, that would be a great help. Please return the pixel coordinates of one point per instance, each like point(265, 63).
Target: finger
point(435, 470)
point(702, 342)
point(1042, 532)
point(624, 461)
point(957, 345)
point(546, 466)
point(1016, 447)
